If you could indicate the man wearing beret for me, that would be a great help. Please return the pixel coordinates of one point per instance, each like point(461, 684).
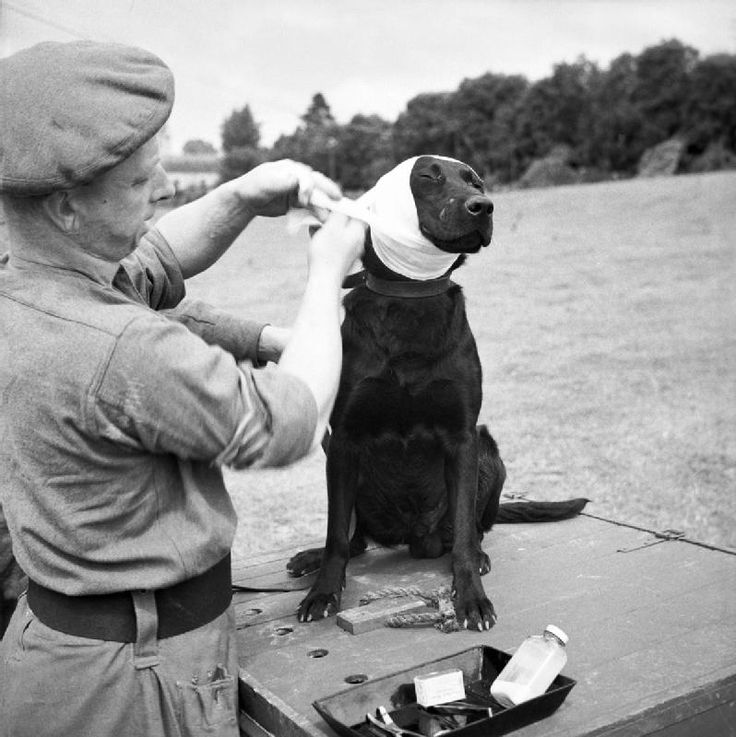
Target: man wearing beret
point(121, 400)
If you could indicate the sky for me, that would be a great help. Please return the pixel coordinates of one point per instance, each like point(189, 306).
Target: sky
point(365, 56)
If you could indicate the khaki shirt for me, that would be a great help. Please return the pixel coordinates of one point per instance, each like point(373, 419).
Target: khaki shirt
point(115, 418)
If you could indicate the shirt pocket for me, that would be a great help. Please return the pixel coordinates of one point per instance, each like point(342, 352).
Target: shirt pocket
point(15, 640)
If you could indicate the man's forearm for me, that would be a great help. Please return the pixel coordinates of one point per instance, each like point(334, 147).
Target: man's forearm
point(239, 336)
point(201, 231)
point(314, 352)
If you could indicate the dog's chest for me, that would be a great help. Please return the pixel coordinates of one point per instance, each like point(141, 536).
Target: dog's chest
point(414, 334)
point(409, 366)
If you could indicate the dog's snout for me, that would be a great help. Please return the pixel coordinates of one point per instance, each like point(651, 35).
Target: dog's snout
point(479, 205)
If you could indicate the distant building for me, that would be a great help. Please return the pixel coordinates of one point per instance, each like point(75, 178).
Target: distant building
point(193, 173)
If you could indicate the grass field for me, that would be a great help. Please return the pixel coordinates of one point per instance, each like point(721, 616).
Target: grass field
point(605, 317)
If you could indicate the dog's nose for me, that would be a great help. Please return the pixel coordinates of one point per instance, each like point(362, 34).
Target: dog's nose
point(479, 205)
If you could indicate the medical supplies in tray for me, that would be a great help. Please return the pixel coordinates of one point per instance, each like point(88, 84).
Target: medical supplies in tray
point(389, 707)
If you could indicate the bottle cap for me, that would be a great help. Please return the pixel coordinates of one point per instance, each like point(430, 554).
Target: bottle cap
point(557, 632)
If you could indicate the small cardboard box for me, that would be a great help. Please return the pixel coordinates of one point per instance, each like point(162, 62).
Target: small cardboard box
point(439, 687)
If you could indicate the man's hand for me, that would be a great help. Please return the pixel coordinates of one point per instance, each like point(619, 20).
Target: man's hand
point(201, 231)
point(336, 246)
point(273, 188)
point(332, 251)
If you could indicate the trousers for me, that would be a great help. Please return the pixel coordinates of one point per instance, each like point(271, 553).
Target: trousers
point(58, 685)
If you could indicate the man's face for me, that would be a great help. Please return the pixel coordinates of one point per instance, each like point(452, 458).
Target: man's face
point(114, 208)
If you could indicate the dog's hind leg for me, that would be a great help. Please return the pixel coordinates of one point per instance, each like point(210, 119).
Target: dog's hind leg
point(305, 562)
point(491, 478)
point(308, 561)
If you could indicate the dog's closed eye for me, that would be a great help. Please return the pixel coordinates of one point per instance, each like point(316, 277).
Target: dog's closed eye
point(433, 174)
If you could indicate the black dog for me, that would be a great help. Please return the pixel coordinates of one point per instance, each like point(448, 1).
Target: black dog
point(405, 455)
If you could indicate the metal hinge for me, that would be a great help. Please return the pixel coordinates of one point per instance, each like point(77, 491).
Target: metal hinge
point(661, 537)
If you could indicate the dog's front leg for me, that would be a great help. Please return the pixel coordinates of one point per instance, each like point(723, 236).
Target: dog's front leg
point(472, 607)
point(324, 597)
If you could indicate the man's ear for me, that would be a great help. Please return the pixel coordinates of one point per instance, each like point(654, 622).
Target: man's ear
point(60, 209)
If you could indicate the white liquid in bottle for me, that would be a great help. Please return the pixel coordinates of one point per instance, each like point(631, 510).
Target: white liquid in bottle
point(532, 668)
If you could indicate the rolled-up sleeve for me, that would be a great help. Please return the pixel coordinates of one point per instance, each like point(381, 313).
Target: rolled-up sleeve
point(293, 412)
point(164, 390)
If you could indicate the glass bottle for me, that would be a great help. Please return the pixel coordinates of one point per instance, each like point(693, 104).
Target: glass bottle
point(532, 668)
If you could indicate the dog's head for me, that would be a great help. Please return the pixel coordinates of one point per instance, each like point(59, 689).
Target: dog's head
point(452, 208)
point(427, 212)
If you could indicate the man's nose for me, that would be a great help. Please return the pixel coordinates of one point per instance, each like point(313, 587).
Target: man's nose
point(165, 189)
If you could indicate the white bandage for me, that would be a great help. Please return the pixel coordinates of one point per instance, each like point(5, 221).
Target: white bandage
point(395, 233)
point(350, 208)
point(320, 201)
point(390, 211)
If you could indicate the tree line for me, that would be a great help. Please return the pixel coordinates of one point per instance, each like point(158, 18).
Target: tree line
point(603, 120)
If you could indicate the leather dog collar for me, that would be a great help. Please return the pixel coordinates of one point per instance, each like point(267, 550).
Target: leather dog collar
point(411, 289)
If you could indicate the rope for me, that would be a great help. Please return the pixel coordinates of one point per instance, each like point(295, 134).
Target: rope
point(397, 592)
point(443, 619)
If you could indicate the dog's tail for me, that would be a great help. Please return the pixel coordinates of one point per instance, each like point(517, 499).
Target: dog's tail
point(509, 512)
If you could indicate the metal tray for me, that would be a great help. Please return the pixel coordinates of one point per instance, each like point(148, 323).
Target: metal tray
point(346, 711)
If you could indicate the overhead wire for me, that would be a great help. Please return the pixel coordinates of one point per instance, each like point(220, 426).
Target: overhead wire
point(80, 34)
point(77, 33)
point(45, 21)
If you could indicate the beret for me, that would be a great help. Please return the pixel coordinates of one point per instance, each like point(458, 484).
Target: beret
point(71, 111)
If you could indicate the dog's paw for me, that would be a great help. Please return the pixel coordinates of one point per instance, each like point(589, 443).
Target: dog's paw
point(473, 608)
point(477, 614)
point(317, 605)
point(305, 562)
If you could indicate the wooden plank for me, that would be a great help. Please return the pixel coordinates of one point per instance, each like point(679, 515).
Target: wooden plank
point(614, 590)
point(648, 628)
point(267, 608)
point(506, 544)
point(709, 711)
point(265, 707)
point(617, 583)
point(373, 616)
point(249, 727)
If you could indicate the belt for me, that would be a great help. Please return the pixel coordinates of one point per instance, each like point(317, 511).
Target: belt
point(180, 608)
